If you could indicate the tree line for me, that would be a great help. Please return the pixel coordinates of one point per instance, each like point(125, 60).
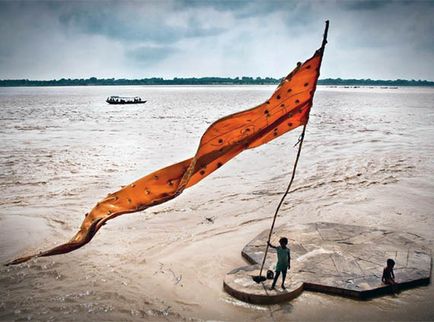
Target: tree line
point(93, 81)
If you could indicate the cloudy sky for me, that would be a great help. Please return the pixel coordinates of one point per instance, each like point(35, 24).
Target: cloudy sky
point(183, 38)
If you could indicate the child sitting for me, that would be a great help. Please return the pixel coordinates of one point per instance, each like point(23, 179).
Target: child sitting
point(388, 274)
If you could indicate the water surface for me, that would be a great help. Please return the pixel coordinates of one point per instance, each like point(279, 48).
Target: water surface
point(367, 160)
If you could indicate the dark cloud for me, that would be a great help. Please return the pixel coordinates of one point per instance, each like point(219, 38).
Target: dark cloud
point(169, 38)
point(365, 4)
point(223, 5)
point(144, 55)
point(133, 21)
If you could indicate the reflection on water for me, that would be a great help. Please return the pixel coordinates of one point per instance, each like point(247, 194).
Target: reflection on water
point(367, 159)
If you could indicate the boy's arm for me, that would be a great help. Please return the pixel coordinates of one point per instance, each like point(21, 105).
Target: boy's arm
point(383, 278)
point(269, 244)
point(289, 259)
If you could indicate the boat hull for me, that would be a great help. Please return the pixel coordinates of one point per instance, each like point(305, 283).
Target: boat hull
point(123, 103)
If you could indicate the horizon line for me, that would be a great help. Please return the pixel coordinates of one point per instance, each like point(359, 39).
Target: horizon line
point(208, 77)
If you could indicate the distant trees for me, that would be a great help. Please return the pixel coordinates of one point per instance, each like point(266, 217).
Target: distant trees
point(373, 82)
point(92, 81)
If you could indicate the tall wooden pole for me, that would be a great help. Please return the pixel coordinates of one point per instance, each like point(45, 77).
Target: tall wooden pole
point(258, 278)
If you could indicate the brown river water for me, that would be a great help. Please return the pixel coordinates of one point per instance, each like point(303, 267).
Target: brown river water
point(368, 159)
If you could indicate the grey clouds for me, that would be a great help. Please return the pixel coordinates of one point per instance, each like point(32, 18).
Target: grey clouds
point(182, 38)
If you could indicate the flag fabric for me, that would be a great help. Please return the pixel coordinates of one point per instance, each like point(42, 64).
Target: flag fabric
point(285, 110)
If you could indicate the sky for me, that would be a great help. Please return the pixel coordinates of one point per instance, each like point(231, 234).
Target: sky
point(185, 38)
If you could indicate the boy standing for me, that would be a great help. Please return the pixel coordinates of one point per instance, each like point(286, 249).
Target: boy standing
point(283, 260)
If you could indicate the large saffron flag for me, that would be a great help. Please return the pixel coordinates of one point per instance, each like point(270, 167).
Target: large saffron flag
point(286, 109)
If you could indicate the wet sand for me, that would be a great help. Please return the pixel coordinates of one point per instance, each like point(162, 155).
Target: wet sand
point(367, 160)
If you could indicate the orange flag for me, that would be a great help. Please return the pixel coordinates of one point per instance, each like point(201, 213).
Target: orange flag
point(287, 109)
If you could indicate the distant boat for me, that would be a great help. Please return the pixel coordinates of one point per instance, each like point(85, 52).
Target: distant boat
point(124, 100)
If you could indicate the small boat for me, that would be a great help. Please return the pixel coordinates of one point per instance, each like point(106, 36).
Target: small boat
point(124, 100)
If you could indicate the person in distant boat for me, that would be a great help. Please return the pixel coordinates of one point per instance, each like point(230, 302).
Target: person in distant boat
point(283, 260)
point(388, 274)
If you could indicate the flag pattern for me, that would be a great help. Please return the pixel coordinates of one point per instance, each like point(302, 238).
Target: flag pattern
point(285, 110)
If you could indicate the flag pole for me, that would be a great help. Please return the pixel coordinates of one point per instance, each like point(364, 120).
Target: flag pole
point(281, 201)
point(261, 278)
point(324, 39)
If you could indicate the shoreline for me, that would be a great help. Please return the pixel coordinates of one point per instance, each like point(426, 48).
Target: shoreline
point(207, 81)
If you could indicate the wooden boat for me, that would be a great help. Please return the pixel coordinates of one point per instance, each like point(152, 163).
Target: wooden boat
point(124, 100)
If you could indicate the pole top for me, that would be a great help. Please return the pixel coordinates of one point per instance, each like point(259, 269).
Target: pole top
point(326, 30)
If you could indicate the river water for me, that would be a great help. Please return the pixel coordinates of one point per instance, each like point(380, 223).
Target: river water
point(367, 160)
